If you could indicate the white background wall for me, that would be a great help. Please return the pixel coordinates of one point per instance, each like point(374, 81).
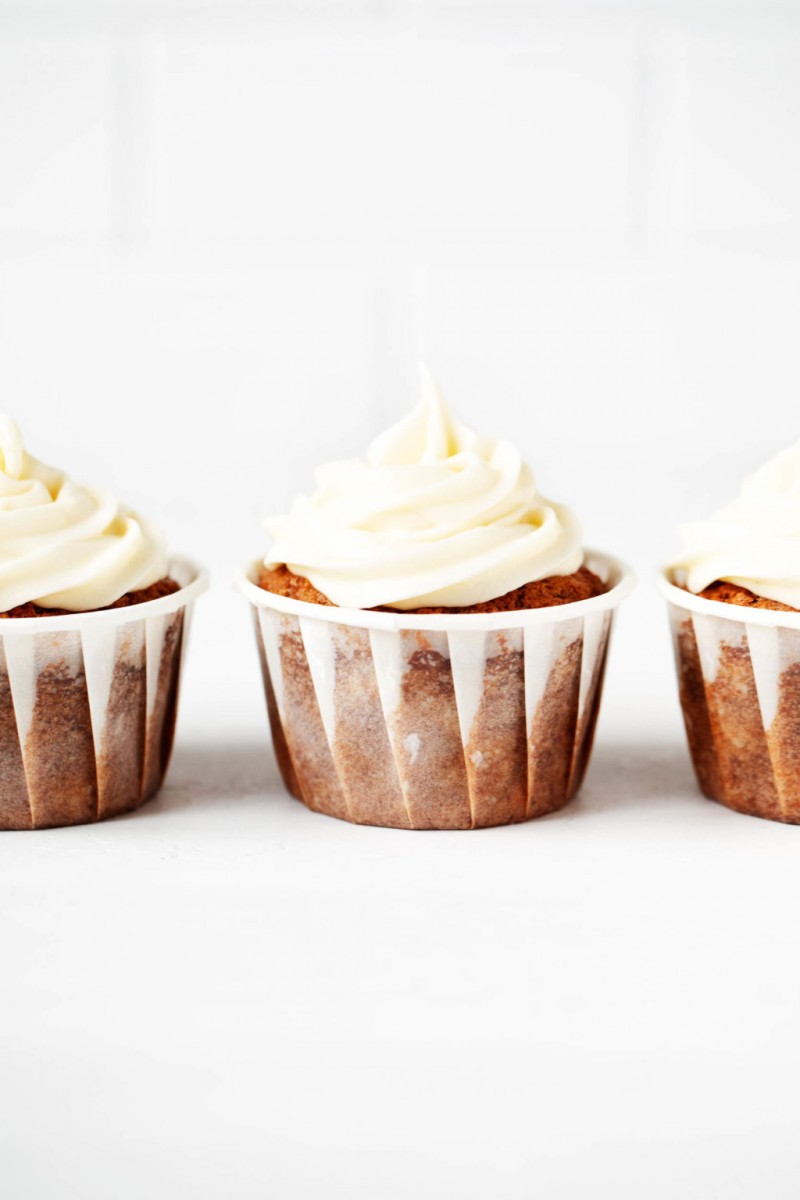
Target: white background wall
point(228, 230)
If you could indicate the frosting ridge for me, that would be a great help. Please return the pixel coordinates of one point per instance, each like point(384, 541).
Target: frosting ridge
point(754, 541)
point(65, 545)
point(434, 515)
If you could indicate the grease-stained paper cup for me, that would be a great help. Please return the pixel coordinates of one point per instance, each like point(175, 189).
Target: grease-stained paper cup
point(87, 707)
point(739, 683)
point(441, 721)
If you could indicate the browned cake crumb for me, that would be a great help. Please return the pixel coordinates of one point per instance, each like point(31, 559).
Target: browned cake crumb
point(544, 593)
point(284, 582)
point(732, 593)
point(162, 587)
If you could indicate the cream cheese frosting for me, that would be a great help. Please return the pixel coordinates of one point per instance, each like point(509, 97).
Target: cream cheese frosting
point(64, 545)
point(434, 515)
point(755, 540)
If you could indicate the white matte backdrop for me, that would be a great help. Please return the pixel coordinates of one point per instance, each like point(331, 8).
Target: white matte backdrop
point(228, 231)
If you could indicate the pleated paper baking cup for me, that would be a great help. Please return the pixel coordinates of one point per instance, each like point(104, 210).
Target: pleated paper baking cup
point(441, 721)
point(739, 683)
point(87, 707)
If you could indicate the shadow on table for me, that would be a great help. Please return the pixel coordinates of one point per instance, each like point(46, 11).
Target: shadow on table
point(622, 775)
point(208, 774)
point(634, 774)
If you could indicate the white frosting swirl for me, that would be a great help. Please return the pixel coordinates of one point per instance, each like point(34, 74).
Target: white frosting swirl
point(435, 516)
point(63, 545)
point(755, 540)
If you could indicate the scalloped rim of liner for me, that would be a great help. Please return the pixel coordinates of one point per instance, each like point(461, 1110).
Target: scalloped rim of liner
point(611, 570)
point(740, 613)
point(194, 581)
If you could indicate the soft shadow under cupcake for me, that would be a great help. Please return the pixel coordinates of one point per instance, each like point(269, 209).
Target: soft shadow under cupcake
point(636, 775)
point(653, 778)
point(206, 775)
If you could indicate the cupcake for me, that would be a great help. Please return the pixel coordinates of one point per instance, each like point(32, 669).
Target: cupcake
point(734, 600)
point(93, 621)
point(432, 633)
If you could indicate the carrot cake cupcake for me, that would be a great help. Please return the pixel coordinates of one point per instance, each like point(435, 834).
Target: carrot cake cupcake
point(734, 597)
point(92, 624)
point(432, 633)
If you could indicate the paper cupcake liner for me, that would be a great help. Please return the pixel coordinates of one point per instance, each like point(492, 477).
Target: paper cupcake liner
point(739, 685)
point(87, 707)
point(434, 722)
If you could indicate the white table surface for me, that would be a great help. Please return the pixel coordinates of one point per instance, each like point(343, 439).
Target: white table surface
point(225, 995)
